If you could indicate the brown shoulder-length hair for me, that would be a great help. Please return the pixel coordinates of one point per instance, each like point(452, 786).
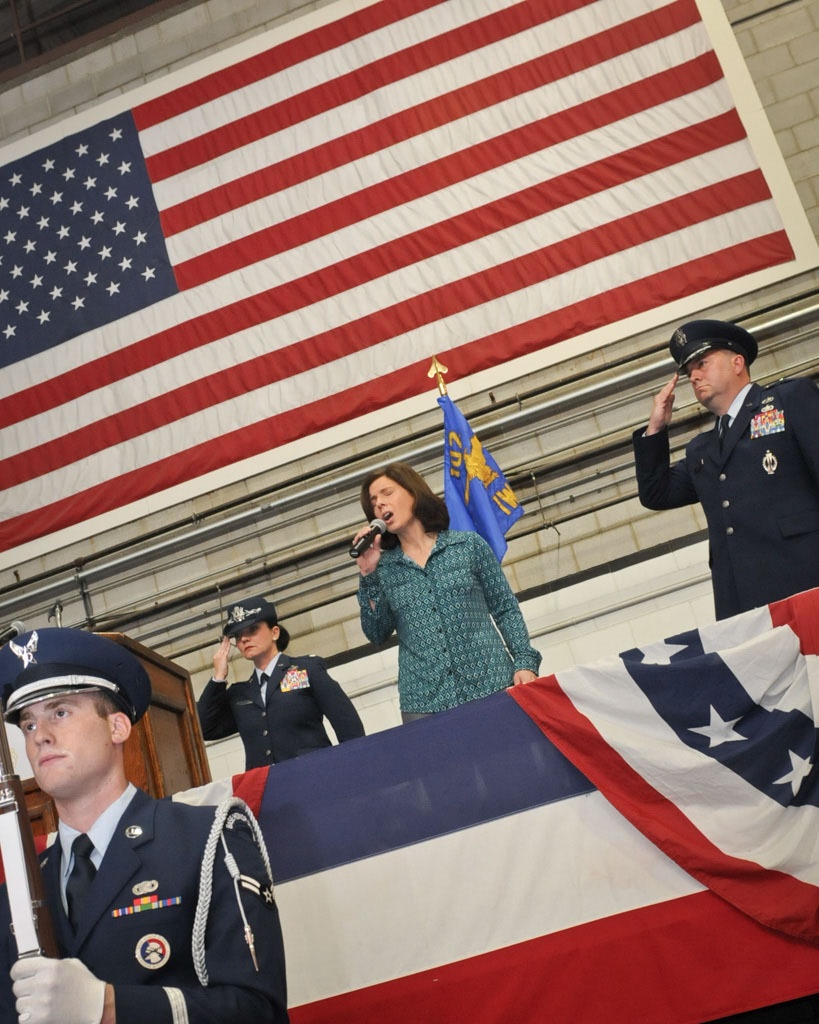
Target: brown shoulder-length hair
point(427, 507)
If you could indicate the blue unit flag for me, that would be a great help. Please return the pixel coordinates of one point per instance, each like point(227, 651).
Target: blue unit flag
point(475, 490)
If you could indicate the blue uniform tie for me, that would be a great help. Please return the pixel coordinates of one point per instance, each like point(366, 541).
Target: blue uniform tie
point(81, 877)
point(264, 679)
point(722, 428)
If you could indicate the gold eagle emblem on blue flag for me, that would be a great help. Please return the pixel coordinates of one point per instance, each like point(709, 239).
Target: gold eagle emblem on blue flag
point(476, 492)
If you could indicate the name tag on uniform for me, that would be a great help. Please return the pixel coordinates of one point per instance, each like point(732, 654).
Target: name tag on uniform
point(295, 679)
point(769, 421)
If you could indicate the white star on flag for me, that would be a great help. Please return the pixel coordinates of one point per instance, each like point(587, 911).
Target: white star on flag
point(718, 730)
point(800, 770)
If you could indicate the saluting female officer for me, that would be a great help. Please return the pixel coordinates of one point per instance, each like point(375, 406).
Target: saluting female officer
point(279, 711)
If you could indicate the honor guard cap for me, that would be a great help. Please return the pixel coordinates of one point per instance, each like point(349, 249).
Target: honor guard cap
point(45, 663)
point(699, 336)
point(248, 613)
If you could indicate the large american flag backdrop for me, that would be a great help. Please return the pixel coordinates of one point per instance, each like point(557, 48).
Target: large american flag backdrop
point(277, 245)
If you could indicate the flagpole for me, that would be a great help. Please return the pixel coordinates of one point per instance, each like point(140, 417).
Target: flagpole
point(438, 370)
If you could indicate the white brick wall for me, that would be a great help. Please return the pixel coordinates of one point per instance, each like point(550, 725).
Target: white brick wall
point(780, 43)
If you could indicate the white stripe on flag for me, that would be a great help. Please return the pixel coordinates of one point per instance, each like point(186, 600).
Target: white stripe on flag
point(462, 894)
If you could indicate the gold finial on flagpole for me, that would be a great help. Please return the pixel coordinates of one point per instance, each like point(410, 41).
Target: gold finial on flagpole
point(438, 370)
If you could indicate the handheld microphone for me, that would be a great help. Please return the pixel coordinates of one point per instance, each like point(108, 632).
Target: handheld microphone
point(377, 527)
point(10, 632)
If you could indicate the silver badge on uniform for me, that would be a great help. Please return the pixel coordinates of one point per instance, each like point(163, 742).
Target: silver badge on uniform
point(133, 831)
point(143, 888)
point(769, 462)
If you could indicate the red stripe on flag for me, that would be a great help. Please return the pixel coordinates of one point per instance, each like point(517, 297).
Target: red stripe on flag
point(249, 786)
point(745, 884)
point(684, 960)
point(626, 300)
point(392, 387)
point(255, 69)
point(491, 91)
point(469, 163)
point(329, 95)
point(801, 614)
point(347, 88)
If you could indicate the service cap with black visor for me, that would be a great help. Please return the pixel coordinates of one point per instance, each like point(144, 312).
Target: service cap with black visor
point(45, 663)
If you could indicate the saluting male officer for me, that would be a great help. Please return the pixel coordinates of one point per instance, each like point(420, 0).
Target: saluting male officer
point(279, 711)
point(756, 472)
point(142, 940)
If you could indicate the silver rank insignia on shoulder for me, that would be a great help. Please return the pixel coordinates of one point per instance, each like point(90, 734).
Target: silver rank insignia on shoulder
point(253, 885)
point(133, 832)
point(770, 462)
point(264, 892)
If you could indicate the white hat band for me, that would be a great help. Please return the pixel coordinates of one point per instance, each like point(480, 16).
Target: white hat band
point(42, 689)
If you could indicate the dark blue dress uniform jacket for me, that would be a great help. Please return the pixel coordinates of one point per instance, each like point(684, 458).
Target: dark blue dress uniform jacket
point(289, 723)
point(169, 851)
point(760, 495)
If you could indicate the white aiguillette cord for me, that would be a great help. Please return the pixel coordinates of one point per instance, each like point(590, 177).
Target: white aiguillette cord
point(220, 822)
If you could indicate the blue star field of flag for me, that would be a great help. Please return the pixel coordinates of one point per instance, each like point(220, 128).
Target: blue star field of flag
point(770, 748)
point(80, 239)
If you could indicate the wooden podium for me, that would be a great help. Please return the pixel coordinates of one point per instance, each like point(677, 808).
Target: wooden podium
point(164, 754)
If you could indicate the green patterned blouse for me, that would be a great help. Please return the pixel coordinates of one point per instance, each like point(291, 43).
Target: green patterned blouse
point(445, 615)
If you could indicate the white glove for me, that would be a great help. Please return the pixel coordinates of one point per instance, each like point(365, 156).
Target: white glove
point(56, 992)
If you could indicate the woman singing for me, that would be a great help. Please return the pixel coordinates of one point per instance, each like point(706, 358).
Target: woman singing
point(460, 631)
